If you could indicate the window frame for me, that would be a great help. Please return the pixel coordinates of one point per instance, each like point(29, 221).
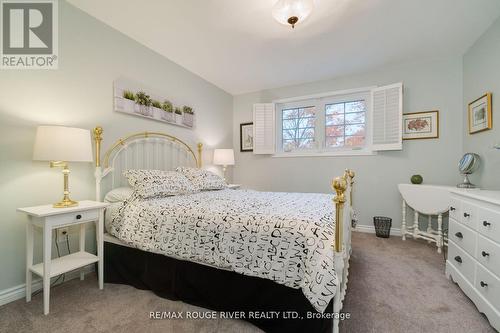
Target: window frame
point(279, 123)
point(320, 101)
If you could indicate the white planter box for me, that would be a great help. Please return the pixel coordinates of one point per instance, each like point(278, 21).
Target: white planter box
point(144, 110)
point(156, 112)
point(167, 116)
point(187, 119)
point(125, 105)
point(178, 118)
point(128, 105)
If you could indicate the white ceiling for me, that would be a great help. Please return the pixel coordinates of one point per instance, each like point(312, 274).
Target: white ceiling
point(237, 45)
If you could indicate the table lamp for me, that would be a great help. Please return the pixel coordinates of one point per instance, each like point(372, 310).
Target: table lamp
point(224, 157)
point(60, 145)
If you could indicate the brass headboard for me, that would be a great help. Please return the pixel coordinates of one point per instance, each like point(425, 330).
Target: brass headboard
point(157, 140)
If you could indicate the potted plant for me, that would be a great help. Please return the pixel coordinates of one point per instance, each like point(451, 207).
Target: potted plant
point(178, 113)
point(167, 111)
point(144, 102)
point(128, 101)
point(188, 116)
point(156, 107)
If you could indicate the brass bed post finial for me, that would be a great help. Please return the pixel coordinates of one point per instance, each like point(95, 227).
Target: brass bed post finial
point(97, 139)
point(339, 184)
point(350, 176)
point(200, 148)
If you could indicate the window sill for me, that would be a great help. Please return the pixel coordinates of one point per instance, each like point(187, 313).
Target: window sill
point(360, 152)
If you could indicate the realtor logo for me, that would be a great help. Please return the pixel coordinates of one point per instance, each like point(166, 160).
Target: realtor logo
point(29, 38)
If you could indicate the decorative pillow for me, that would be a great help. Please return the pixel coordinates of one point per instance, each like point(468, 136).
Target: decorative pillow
point(118, 194)
point(153, 183)
point(203, 179)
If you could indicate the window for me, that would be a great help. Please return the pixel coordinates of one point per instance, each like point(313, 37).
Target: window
point(345, 124)
point(298, 126)
point(328, 124)
point(349, 122)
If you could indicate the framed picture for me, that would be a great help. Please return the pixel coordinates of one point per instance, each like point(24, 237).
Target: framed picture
point(480, 114)
point(134, 99)
point(421, 125)
point(246, 137)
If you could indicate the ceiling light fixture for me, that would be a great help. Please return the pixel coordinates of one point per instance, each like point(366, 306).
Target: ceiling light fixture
point(292, 11)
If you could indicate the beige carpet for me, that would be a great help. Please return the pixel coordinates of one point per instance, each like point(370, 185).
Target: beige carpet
point(394, 286)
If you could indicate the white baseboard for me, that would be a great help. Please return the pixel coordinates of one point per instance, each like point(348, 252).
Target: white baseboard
point(18, 292)
point(371, 229)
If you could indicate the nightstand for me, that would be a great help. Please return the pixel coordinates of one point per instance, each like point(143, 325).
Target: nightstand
point(233, 186)
point(49, 218)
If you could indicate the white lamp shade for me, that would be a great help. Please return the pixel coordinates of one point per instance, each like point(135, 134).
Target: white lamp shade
point(59, 143)
point(285, 9)
point(223, 157)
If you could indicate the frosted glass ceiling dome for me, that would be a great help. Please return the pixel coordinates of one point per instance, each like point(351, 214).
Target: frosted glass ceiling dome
point(291, 12)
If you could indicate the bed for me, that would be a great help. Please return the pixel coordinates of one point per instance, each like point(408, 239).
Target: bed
point(277, 260)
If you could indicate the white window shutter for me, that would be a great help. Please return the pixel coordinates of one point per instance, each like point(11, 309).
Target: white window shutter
point(387, 117)
point(264, 128)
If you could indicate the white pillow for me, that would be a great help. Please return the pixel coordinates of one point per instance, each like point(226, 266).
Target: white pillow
point(118, 194)
point(203, 179)
point(157, 183)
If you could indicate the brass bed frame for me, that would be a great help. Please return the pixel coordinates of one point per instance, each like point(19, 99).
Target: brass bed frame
point(340, 185)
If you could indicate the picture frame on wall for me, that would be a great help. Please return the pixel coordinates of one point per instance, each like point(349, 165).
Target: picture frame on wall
point(480, 114)
point(421, 125)
point(246, 137)
point(133, 98)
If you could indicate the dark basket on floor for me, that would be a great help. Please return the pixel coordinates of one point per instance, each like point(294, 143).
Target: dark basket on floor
point(382, 226)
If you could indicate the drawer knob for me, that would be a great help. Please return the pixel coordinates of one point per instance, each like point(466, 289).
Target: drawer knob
point(452, 208)
point(78, 217)
point(466, 215)
point(483, 284)
point(486, 223)
point(485, 254)
point(458, 259)
point(459, 235)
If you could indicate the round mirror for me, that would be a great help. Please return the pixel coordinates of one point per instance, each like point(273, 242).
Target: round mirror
point(467, 165)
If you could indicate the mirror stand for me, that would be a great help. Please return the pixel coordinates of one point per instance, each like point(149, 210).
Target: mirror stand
point(467, 165)
point(466, 183)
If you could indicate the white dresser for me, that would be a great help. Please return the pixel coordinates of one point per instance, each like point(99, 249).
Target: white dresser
point(474, 248)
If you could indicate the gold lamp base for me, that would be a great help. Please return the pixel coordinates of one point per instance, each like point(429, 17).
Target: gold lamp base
point(66, 201)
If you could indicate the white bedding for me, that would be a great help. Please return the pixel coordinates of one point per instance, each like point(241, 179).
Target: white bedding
point(285, 237)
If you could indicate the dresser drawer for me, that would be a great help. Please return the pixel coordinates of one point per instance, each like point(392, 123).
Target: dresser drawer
point(469, 214)
point(488, 254)
point(69, 218)
point(488, 223)
point(488, 285)
point(463, 262)
point(456, 209)
point(463, 236)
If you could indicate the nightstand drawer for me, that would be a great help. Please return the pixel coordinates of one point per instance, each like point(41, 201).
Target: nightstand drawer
point(69, 218)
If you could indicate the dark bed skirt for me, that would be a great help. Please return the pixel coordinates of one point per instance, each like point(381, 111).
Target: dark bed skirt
point(213, 289)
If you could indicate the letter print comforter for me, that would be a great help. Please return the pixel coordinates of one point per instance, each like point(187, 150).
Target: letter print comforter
point(284, 237)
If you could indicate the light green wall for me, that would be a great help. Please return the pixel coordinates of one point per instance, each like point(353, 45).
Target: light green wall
point(429, 85)
point(481, 68)
point(80, 94)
